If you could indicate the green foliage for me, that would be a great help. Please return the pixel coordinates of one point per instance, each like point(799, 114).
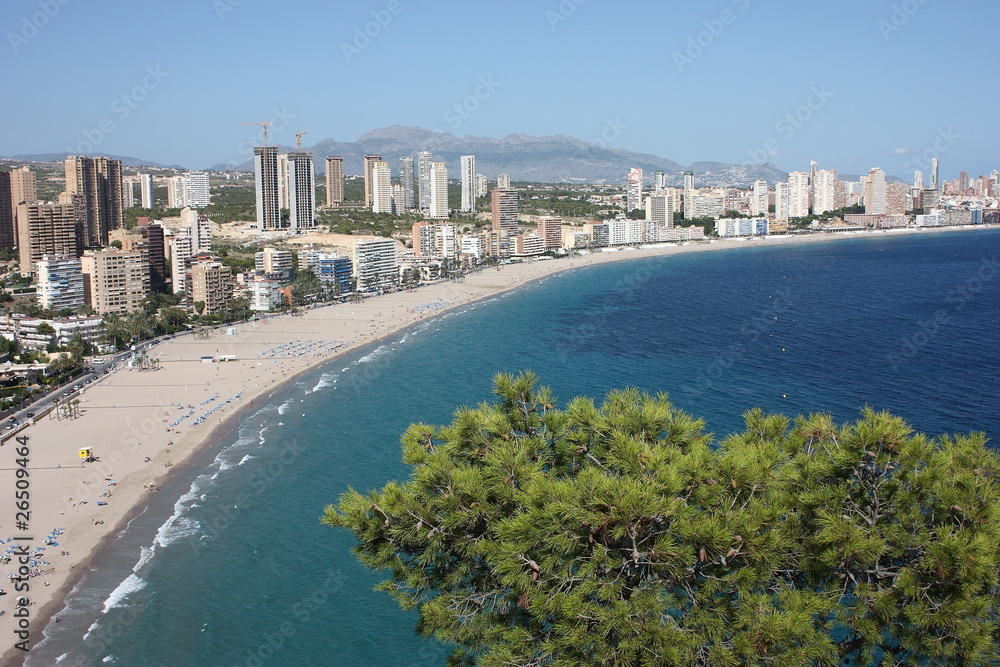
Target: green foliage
point(232, 203)
point(620, 534)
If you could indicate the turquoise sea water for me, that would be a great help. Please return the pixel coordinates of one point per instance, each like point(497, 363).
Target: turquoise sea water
point(229, 565)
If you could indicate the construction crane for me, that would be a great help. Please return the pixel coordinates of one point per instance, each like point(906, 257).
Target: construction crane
point(298, 139)
point(264, 124)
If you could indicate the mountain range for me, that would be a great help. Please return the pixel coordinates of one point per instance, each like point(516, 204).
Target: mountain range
point(554, 159)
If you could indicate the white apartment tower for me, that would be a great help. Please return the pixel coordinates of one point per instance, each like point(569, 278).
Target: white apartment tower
point(633, 189)
point(196, 190)
point(439, 190)
point(688, 195)
point(146, 190)
point(826, 191)
point(758, 200)
point(781, 203)
point(798, 194)
point(468, 168)
point(503, 181)
point(381, 188)
point(875, 192)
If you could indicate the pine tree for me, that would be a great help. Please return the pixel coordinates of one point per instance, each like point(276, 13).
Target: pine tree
point(622, 534)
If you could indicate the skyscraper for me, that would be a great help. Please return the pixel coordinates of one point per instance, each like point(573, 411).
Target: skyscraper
point(424, 179)
point(439, 190)
point(875, 193)
point(550, 231)
point(798, 194)
point(826, 191)
point(334, 180)
point(301, 186)
point(283, 182)
point(504, 205)
point(22, 187)
point(918, 179)
point(406, 180)
point(633, 189)
point(115, 281)
point(176, 194)
point(758, 200)
point(468, 168)
point(99, 180)
point(813, 168)
point(381, 188)
point(963, 182)
point(935, 183)
point(8, 233)
point(265, 167)
point(370, 161)
point(196, 189)
point(47, 229)
point(145, 190)
point(688, 195)
point(781, 201)
point(503, 181)
point(659, 181)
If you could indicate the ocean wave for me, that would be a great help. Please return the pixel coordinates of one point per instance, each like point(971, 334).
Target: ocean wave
point(132, 584)
point(325, 380)
point(246, 457)
point(176, 528)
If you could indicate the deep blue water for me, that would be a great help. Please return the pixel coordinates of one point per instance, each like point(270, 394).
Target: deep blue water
point(243, 574)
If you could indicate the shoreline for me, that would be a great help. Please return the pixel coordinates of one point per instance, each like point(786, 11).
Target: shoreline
point(181, 362)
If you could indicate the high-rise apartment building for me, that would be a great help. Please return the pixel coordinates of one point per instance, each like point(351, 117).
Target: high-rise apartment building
point(633, 189)
point(115, 281)
point(176, 195)
point(60, 282)
point(283, 182)
point(550, 231)
point(935, 183)
point(424, 180)
point(826, 191)
point(504, 205)
point(468, 169)
point(406, 181)
point(145, 190)
point(758, 199)
point(196, 189)
point(813, 168)
point(503, 181)
point(47, 229)
point(375, 263)
point(381, 182)
point(148, 239)
point(181, 248)
point(301, 186)
point(798, 194)
point(781, 201)
point(370, 162)
point(272, 261)
point(334, 180)
point(265, 165)
point(688, 195)
point(875, 192)
point(661, 206)
point(23, 189)
point(439, 190)
point(659, 181)
point(99, 180)
point(197, 226)
point(482, 186)
point(918, 179)
point(424, 244)
point(8, 230)
point(211, 282)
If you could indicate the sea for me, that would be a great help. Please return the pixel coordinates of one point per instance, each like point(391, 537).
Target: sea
point(230, 566)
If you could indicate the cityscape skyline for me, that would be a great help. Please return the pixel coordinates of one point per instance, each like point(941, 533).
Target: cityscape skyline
point(716, 85)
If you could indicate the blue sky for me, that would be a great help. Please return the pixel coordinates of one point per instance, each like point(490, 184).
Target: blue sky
point(851, 84)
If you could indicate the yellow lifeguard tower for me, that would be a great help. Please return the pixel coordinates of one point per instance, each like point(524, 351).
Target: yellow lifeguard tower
point(86, 454)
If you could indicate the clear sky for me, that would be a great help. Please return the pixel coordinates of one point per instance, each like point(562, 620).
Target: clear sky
point(852, 84)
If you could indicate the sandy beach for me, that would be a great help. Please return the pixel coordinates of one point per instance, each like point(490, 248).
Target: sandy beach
point(145, 425)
